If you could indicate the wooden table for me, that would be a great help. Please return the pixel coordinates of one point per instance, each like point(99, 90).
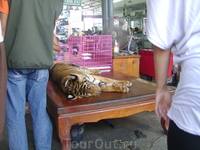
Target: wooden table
point(105, 106)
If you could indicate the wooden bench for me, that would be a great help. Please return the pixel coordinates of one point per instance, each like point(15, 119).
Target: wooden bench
point(107, 105)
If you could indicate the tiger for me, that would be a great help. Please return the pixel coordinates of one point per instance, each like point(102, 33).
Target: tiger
point(80, 82)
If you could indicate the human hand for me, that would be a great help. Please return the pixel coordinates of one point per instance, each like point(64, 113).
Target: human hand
point(163, 103)
point(56, 46)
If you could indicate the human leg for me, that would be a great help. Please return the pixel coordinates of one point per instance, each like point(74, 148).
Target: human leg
point(36, 97)
point(181, 140)
point(15, 110)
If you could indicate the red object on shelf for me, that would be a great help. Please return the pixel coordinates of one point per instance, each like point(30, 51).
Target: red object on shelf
point(147, 63)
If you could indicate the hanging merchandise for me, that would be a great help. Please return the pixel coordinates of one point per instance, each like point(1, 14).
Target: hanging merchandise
point(72, 2)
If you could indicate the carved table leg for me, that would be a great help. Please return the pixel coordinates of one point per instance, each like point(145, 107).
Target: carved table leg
point(66, 143)
point(63, 130)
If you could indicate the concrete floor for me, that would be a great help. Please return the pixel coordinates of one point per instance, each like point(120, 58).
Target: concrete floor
point(100, 136)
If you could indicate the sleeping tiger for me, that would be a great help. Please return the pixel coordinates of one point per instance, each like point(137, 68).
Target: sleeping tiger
point(79, 82)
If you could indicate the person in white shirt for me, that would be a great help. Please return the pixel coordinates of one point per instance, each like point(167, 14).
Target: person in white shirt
point(174, 26)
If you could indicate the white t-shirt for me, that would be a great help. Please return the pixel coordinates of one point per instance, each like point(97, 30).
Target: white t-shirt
point(1, 37)
point(176, 24)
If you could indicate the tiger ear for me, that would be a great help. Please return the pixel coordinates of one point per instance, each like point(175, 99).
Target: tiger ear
point(71, 97)
point(73, 76)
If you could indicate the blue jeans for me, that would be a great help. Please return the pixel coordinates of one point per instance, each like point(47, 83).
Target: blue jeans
point(27, 85)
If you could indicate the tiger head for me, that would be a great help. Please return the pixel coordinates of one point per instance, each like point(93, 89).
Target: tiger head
point(78, 86)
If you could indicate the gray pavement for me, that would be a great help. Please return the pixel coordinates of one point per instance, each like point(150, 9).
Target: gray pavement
point(141, 131)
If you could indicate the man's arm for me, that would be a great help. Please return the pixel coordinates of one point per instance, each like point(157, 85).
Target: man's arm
point(161, 63)
point(4, 15)
point(4, 18)
point(163, 97)
point(56, 46)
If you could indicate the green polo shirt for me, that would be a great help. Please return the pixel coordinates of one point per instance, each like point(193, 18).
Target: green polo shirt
point(29, 35)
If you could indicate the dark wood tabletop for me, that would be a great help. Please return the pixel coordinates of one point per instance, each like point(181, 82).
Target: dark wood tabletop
point(66, 112)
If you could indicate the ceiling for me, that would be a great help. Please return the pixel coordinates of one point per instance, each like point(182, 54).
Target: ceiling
point(91, 7)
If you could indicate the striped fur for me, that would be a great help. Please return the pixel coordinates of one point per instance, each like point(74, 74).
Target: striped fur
point(79, 82)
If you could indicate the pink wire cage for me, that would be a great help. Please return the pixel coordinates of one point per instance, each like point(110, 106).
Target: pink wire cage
point(92, 51)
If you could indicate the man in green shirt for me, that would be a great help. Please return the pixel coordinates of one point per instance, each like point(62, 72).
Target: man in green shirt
point(29, 53)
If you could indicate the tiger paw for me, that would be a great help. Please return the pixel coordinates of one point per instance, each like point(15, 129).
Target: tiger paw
point(127, 83)
point(95, 71)
point(125, 89)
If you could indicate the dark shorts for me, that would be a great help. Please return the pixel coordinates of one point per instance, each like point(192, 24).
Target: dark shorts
point(180, 140)
point(3, 81)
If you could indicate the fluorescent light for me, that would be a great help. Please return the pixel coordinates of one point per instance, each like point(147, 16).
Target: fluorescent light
point(115, 1)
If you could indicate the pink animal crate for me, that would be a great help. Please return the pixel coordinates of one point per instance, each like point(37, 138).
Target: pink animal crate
point(93, 51)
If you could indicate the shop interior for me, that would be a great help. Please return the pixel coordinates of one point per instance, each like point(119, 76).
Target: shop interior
point(85, 18)
point(108, 35)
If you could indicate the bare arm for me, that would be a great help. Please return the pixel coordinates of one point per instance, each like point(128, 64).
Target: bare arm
point(161, 61)
point(163, 97)
point(56, 46)
point(4, 18)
